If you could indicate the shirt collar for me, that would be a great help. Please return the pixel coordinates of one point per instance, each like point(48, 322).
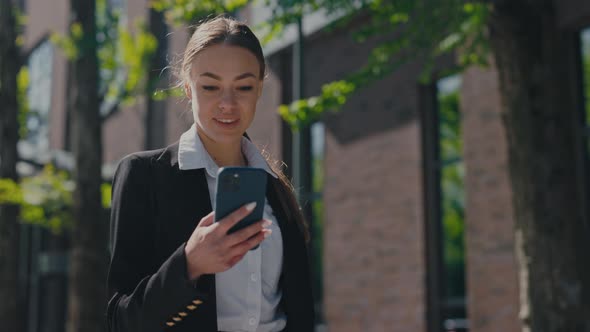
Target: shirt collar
point(193, 155)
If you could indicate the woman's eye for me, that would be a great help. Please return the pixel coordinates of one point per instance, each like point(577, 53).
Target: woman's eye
point(210, 87)
point(245, 88)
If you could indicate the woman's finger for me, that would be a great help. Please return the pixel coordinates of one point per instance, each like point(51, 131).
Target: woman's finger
point(244, 246)
point(246, 233)
point(233, 218)
point(207, 220)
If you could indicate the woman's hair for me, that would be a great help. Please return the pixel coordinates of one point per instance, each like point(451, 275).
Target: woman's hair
point(228, 31)
point(220, 30)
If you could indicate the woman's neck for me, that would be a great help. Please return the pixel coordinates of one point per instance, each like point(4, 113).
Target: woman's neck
point(224, 154)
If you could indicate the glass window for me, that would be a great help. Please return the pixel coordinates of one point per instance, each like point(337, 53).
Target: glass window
point(585, 48)
point(317, 170)
point(40, 65)
point(452, 203)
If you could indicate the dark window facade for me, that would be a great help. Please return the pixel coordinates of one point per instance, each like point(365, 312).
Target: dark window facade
point(585, 57)
point(317, 133)
point(452, 203)
point(444, 198)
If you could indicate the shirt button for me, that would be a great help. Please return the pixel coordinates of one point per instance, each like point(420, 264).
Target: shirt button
point(253, 277)
point(252, 321)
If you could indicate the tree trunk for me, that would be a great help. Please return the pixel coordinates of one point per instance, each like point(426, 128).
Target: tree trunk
point(538, 84)
point(89, 257)
point(155, 116)
point(11, 304)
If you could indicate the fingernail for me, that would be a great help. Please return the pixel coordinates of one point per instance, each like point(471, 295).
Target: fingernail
point(250, 206)
point(267, 233)
point(266, 223)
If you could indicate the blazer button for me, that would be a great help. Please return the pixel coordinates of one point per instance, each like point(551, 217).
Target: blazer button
point(170, 323)
point(176, 319)
point(197, 302)
point(182, 314)
point(191, 307)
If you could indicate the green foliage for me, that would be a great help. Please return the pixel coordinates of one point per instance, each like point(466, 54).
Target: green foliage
point(165, 94)
point(21, 21)
point(304, 111)
point(124, 57)
point(46, 198)
point(411, 29)
point(22, 84)
point(10, 192)
point(71, 44)
point(187, 12)
point(106, 191)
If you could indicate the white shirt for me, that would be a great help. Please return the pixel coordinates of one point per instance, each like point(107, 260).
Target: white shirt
point(247, 295)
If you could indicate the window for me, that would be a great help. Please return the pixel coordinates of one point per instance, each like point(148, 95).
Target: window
point(584, 106)
point(40, 67)
point(452, 202)
point(585, 50)
point(444, 205)
point(317, 132)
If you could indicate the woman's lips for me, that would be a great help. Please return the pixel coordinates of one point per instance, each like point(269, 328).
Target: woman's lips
point(227, 123)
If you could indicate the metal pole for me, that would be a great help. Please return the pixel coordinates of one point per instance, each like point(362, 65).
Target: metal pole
point(301, 137)
point(302, 156)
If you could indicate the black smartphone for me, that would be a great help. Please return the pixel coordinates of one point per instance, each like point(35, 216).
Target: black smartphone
point(237, 186)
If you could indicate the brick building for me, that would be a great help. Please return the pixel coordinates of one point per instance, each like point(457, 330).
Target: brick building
point(379, 190)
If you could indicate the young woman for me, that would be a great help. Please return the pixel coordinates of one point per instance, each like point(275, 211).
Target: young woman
point(174, 268)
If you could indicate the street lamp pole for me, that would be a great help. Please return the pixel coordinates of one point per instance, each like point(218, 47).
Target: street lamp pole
point(301, 136)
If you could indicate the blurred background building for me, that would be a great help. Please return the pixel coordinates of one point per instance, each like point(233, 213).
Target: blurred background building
point(409, 198)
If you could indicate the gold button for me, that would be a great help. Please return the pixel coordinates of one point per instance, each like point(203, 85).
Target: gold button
point(197, 302)
point(191, 307)
point(182, 314)
point(170, 323)
point(176, 319)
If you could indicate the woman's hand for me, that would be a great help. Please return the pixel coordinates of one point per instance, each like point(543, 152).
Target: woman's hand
point(211, 250)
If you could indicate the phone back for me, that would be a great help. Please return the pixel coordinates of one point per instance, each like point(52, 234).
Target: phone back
point(237, 186)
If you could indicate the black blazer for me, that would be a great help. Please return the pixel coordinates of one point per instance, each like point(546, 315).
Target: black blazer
point(155, 208)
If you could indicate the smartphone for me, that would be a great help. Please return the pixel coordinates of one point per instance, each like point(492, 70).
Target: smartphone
point(237, 186)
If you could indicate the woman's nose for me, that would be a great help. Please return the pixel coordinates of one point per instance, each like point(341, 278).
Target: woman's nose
point(228, 99)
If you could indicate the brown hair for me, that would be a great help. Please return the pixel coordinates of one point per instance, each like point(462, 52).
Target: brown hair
point(220, 30)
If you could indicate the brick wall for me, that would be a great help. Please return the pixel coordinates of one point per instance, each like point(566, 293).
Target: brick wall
point(373, 208)
point(373, 259)
point(265, 130)
point(492, 284)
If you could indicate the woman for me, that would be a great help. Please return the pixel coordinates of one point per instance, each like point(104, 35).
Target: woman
point(174, 268)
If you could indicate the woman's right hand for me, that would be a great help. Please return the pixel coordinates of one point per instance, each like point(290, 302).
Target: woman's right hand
point(211, 250)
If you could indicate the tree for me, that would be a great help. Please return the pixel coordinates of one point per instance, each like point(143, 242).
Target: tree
point(540, 119)
point(99, 51)
point(108, 66)
point(88, 260)
point(10, 314)
point(529, 50)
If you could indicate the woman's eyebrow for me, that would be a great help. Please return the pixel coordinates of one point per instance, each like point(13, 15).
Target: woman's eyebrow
point(244, 75)
point(208, 74)
point(217, 77)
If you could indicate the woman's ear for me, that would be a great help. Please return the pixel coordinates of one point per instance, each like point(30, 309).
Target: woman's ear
point(187, 91)
point(260, 87)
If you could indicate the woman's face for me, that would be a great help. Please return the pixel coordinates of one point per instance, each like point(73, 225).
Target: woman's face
point(224, 88)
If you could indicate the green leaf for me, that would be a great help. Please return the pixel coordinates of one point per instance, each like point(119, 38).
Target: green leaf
point(22, 83)
point(10, 192)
